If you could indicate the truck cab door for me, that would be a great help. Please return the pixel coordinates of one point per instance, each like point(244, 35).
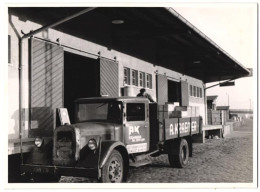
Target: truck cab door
point(136, 127)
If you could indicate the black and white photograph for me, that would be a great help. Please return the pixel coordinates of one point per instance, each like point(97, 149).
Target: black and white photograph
point(163, 95)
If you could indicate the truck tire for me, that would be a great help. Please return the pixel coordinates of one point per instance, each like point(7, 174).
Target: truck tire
point(113, 170)
point(42, 178)
point(180, 156)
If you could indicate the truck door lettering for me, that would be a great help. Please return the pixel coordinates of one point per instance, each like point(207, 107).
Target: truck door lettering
point(134, 129)
point(134, 134)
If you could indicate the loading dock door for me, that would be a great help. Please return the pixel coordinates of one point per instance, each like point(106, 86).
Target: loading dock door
point(81, 80)
point(162, 89)
point(46, 86)
point(178, 92)
point(174, 91)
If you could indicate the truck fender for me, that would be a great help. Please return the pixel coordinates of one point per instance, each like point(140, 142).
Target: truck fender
point(106, 149)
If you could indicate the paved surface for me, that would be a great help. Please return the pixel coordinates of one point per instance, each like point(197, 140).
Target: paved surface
point(228, 160)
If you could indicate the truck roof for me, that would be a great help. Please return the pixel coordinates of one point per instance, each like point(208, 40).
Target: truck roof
point(109, 99)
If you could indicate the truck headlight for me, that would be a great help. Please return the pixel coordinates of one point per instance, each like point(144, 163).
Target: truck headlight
point(38, 141)
point(92, 144)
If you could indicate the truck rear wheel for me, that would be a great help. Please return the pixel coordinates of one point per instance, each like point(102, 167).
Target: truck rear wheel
point(113, 170)
point(179, 157)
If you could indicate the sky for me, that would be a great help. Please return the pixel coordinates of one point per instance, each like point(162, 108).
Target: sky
point(233, 27)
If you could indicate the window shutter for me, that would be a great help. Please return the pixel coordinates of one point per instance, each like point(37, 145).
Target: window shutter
point(109, 84)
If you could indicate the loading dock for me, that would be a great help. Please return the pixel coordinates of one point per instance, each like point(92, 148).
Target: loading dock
point(168, 46)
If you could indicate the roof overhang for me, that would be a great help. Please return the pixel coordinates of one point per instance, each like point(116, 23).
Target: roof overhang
point(155, 34)
point(212, 97)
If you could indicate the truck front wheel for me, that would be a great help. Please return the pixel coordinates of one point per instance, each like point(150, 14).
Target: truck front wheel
point(179, 157)
point(113, 170)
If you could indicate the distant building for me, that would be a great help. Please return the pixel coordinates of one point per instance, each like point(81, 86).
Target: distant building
point(225, 109)
point(211, 102)
point(240, 113)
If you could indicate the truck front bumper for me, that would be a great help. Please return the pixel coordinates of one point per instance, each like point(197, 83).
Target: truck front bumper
point(60, 170)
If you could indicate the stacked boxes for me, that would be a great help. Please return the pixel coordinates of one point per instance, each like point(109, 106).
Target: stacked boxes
point(173, 110)
point(165, 111)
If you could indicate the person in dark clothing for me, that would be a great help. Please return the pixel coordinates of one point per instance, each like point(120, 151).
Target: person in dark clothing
point(144, 94)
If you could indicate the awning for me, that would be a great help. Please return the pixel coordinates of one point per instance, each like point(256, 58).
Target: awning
point(155, 34)
point(212, 97)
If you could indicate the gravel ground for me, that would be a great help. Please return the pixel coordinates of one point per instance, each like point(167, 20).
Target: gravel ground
point(228, 160)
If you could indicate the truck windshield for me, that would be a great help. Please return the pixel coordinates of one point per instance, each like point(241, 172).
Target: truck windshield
point(109, 112)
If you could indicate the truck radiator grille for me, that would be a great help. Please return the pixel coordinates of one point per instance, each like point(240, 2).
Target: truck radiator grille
point(64, 148)
point(64, 145)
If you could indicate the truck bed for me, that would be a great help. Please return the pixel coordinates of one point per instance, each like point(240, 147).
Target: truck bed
point(162, 129)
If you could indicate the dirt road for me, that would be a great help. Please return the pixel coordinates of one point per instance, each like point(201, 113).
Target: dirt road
point(228, 160)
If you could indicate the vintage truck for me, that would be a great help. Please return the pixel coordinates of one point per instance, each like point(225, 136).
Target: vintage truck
point(111, 134)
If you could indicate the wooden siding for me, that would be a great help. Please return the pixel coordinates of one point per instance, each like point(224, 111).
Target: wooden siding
point(109, 83)
point(46, 86)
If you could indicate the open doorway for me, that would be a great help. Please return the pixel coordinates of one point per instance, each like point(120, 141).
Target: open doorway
point(81, 80)
point(174, 91)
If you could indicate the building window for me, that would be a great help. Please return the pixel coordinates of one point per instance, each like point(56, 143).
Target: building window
point(190, 90)
point(141, 79)
point(198, 92)
point(194, 91)
point(134, 77)
point(149, 81)
point(126, 76)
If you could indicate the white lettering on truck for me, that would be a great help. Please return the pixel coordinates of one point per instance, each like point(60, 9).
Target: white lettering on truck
point(193, 125)
point(184, 127)
point(134, 134)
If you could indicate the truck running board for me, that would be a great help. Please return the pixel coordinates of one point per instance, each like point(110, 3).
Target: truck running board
point(143, 159)
point(140, 163)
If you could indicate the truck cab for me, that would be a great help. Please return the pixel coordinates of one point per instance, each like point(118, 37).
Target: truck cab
point(115, 119)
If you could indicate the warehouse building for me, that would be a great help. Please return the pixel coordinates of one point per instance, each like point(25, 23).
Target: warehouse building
point(58, 54)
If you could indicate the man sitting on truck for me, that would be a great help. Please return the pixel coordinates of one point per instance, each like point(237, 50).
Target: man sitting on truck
point(143, 93)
